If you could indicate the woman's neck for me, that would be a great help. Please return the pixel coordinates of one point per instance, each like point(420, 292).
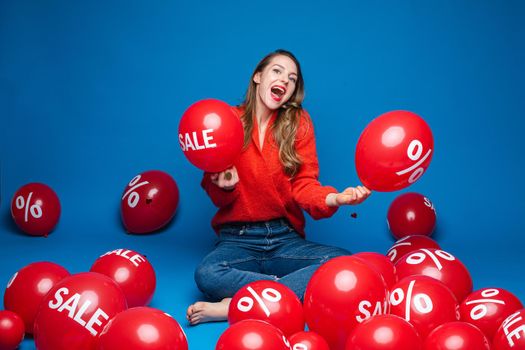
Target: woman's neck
point(262, 113)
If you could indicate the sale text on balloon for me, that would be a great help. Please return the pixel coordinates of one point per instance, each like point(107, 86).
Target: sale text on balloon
point(186, 142)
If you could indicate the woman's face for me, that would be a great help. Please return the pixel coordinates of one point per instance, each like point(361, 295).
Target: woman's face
point(276, 83)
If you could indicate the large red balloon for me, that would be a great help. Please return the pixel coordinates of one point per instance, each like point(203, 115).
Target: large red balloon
point(342, 293)
point(35, 208)
point(11, 330)
point(511, 334)
point(268, 301)
point(308, 341)
point(76, 310)
point(487, 308)
point(440, 265)
point(132, 272)
point(28, 287)
point(384, 332)
point(411, 214)
point(142, 328)
point(252, 335)
point(408, 244)
point(424, 302)
point(456, 336)
point(393, 151)
point(149, 202)
point(382, 264)
point(211, 135)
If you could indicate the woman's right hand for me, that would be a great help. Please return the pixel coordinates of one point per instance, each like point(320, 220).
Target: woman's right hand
point(226, 179)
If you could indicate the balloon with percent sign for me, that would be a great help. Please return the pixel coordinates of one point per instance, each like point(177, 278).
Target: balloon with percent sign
point(11, 330)
point(511, 334)
point(28, 287)
point(408, 244)
point(308, 341)
point(393, 151)
point(411, 214)
point(268, 301)
point(132, 272)
point(149, 202)
point(252, 335)
point(440, 265)
point(211, 135)
point(384, 332)
point(382, 264)
point(487, 308)
point(35, 208)
point(342, 293)
point(456, 336)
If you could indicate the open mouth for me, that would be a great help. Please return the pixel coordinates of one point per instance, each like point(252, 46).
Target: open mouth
point(277, 92)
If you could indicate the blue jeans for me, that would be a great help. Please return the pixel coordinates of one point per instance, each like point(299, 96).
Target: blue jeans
point(270, 250)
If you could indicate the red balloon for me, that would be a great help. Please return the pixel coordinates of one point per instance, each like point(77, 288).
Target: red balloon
point(308, 341)
point(132, 272)
point(408, 244)
point(35, 208)
point(411, 214)
point(211, 135)
point(384, 332)
point(393, 151)
point(149, 202)
point(75, 311)
point(456, 336)
point(11, 330)
point(142, 328)
point(430, 303)
point(342, 293)
point(487, 308)
point(268, 301)
point(382, 264)
point(28, 287)
point(511, 334)
point(252, 335)
point(440, 265)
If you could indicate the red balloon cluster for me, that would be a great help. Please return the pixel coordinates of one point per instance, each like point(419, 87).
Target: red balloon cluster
point(211, 135)
point(308, 341)
point(149, 202)
point(252, 335)
point(35, 208)
point(381, 264)
point(411, 214)
point(456, 335)
point(393, 151)
point(11, 330)
point(408, 244)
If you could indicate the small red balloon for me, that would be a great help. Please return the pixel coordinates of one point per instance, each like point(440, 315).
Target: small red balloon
point(424, 302)
point(11, 330)
point(440, 265)
point(142, 328)
point(409, 244)
point(393, 151)
point(382, 264)
point(511, 334)
point(384, 332)
point(411, 214)
point(35, 208)
point(268, 301)
point(456, 336)
point(211, 135)
point(28, 287)
point(76, 310)
point(252, 335)
point(132, 272)
point(487, 308)
point(308, 341)
point(342, 293)
point(149, 202)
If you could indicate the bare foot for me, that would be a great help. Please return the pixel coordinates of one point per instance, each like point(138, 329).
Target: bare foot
point(202, 311)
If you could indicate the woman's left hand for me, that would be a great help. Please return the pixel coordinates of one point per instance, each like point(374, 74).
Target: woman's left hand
point(350, 196)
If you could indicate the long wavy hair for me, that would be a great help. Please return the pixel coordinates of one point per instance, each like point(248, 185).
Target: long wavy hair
point(285, 127)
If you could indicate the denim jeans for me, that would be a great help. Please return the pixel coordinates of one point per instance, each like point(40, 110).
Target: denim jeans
point(270, 250)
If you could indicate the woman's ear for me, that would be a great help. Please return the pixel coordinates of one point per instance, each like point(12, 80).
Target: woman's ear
point(257, 78)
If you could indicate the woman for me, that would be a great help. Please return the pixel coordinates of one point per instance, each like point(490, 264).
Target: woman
point(260, 223)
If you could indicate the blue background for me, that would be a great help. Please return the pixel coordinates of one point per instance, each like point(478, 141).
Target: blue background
point(91, 94)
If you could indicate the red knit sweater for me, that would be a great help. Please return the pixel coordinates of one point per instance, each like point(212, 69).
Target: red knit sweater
point(264, 191)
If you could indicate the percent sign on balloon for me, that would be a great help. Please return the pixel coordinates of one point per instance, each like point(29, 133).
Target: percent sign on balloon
point(422, 302)
point(392, 252)
point(245, 304)
point(418, 257)
point(35, 209)
point(480, 310)
point(414, 152)
point(134, 197)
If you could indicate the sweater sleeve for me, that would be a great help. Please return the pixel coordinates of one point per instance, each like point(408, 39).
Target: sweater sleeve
point(307, 191)
point(218, 196)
